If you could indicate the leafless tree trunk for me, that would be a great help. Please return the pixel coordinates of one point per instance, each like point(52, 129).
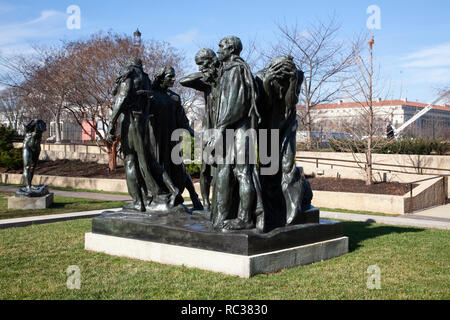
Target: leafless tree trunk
point(94, 65)
point(362, 89)
point(12, 107)
point(322, 57)
point(40, 80)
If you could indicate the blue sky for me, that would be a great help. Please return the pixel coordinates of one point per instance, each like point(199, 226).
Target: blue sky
point(412, 47)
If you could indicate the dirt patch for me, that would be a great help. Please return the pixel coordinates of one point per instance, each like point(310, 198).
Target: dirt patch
point(77, 168)
point(74, 168)
point(358, 186)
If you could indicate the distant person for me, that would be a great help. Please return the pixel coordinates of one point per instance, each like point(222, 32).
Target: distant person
point(389, 130)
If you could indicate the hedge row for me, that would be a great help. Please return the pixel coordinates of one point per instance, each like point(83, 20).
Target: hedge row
point(194, 169)
point(419, 146)
point(10, 158)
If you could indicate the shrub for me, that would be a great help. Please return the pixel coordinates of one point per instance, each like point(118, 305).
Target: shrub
point(10, 158)
point(421, 146)
point(7, 136)
point(194, 169)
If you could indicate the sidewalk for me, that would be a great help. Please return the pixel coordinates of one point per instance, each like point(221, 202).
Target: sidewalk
point(439, 212)
point(27, 221)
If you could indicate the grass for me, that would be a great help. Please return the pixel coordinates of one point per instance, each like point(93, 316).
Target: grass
point(60, 205)
point(414, 265)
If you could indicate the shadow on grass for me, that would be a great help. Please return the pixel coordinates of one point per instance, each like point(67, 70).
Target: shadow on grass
point(58, 205)
point(360, 231)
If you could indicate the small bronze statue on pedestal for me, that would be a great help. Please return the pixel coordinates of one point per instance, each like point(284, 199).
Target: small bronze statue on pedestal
point(31, 150)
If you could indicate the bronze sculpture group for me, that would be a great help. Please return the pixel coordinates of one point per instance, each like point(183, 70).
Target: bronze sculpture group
point(235, 100)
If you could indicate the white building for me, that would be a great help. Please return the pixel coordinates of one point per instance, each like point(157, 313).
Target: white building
point(332, 117)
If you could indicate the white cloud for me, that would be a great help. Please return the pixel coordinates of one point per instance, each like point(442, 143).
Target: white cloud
point(429, 76)
point(5, 7)
point(438, 56)
point(304, 34)
point(47, 15)
point(429, 66)
point(185, 38)
point(17, 36)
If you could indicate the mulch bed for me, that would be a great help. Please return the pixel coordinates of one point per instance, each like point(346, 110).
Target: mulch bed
point(74, 168)
point(77, 168)
point(358, 186)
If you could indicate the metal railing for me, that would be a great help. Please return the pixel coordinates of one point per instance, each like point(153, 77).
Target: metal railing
point(317, 161)
point(422, 180)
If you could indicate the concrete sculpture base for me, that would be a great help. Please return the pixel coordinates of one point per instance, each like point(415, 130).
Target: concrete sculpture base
point(30, 203)
point(190, 240)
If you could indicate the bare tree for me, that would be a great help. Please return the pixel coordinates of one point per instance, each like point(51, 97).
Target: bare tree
point(322, 57)
point(12, 107)
point(92, 68)
point(49, 85)
point(364, 88)
point(40, 82)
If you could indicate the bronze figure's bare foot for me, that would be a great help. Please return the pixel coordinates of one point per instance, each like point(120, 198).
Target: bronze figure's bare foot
point(135, 206)
point(237, 224)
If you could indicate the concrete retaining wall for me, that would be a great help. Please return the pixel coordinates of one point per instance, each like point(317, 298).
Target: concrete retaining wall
point(110, 185)
point(330, 168)
point(416, 161)
point(88, 153)
point(427, 194)
point(359, 201)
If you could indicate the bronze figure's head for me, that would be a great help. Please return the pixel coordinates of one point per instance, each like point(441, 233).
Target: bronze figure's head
point(229, 46)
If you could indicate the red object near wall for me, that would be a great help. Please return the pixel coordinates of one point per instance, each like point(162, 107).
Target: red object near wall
point(88, 132)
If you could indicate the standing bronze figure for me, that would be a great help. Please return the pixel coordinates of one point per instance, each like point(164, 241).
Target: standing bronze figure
point(31, 150)
point(235, 109)
point(168, 115)
point(206, 82)
point(143, 172)
point(243, 198)
point(287, 193)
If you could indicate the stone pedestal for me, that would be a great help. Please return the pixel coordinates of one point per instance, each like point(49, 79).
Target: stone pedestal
point(232, 264)
point(30, 203)
point(178, 238)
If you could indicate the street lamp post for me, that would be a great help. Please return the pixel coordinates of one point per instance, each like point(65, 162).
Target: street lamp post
point(137, 41)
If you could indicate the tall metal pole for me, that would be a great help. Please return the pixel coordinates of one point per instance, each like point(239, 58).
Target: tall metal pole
point(137, 41)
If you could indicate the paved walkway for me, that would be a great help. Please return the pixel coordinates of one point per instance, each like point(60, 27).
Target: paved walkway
point(27, 221)
point(439, 212)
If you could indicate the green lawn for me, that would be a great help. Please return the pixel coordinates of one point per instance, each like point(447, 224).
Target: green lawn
point(414, 264)
point(60, 205)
